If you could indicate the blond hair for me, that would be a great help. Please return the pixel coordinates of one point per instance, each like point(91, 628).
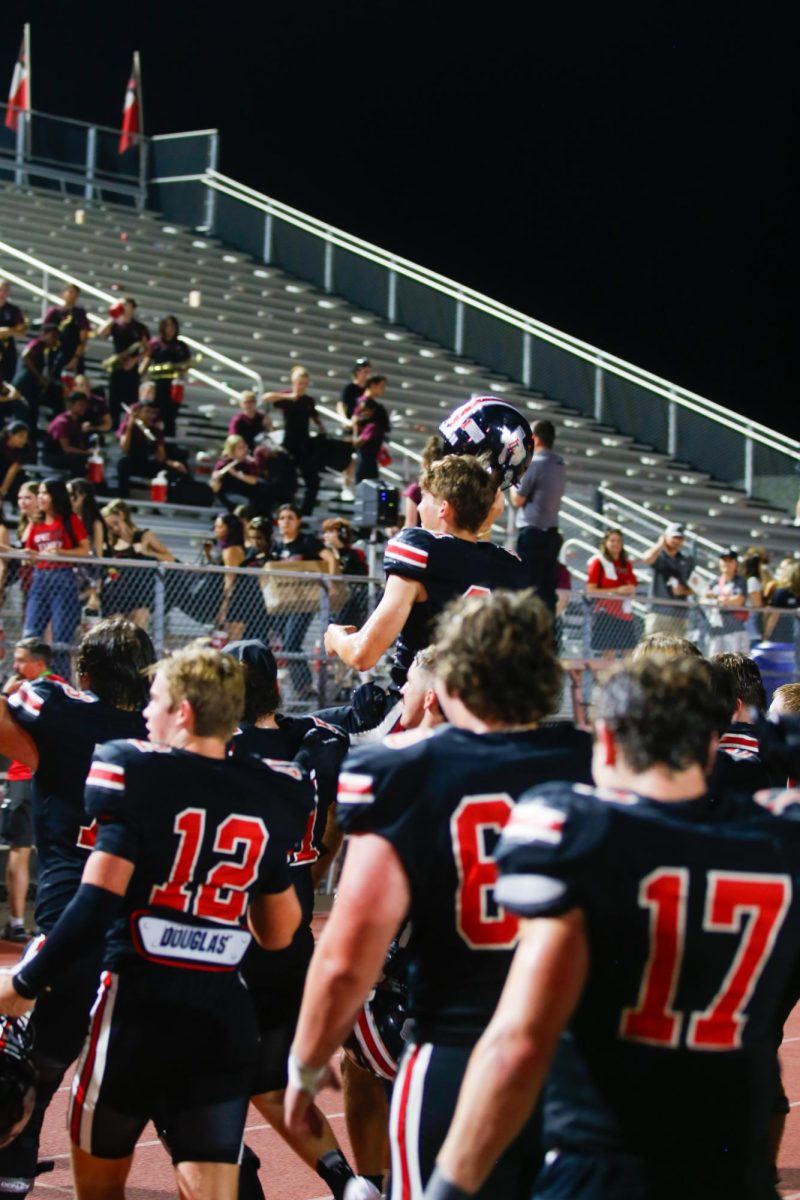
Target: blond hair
point(231, 442)
point(213, 685)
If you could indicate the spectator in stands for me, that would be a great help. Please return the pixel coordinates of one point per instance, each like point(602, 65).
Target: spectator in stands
point(15, 450)
point(73, 333)
point(144, 451)
point(538, 495)
point(276, 469)
point(610, 573)
point(371, 425)
point(84, 505)
point(346, 407)
point(65, 447)
point(257, 547)
point(727, 615)
point(173, 357)
point(295, 545)
point(432, 451)
point(354, 390)
point(248, 423)
point(53, 597)
point(299, 410)
point(12, 325)
point(337, 536)
point(34, 379)
point(130, 593)
point(98, 415)
point(32, 659)
point(236, 474)
point(672, 570)
point(786, 595)
point(751, 570)
point(130, 339)
point(227, 550)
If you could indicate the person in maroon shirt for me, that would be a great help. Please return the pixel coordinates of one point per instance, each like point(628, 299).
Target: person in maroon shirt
point(236, 473)
point(98, 416)
point(65, 447)
point(12, 325)
point(125, 332)
point(54, 597)
point(168, 349)
point(34, 378)
point(73, 331)
point(248, 423)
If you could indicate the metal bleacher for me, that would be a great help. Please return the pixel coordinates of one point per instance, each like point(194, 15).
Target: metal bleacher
point(267, 321)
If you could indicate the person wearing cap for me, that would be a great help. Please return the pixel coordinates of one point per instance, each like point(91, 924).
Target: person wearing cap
point(538, 497)
point(727, 611)
point(672, 569)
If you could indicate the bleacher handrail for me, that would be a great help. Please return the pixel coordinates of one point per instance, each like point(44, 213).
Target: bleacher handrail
point(656, 384)
point(657, 519)
point(108, 298)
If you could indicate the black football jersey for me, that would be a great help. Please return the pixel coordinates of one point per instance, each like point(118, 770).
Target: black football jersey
point(693, 930)
point(284, 743)
point(447, 567)
point(442, 803)
point(66, 725)
point(204, 836)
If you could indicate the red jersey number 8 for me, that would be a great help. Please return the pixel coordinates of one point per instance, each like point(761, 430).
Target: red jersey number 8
point(479, 921)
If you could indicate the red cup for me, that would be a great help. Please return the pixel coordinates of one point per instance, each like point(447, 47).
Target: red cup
point(176, 392)
point(158, 490)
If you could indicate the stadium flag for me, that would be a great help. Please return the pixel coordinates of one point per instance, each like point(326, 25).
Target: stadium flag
point(19, 94)
point(132, 112)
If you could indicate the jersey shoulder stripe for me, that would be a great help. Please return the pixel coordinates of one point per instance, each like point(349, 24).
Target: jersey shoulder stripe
point(413, 555)
point(109, 776)
point(355, 788)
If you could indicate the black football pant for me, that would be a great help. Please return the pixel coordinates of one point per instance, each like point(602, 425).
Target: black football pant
point(59, 1023)
point(570, 1176)
point(423, 1102)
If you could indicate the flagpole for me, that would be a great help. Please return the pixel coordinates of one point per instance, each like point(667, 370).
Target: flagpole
point(29, 96)
point(137, 71)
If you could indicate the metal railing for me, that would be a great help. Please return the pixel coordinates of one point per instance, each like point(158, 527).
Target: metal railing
point(675, 420)
point(47, 296)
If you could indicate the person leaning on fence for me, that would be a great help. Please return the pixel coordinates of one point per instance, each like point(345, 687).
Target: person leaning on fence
point(227, 550)
point(785, 595)
point(84, 505)
point(672, 569)
point(54, 596)
point(298, 600)
point(610, 574)
point(725, 608)
point(129, 592)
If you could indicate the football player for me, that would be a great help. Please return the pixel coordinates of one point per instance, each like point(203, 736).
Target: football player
point(423, 821)
point(185, 867)
point(276, 978)
point(654, 954)
point(52, 728)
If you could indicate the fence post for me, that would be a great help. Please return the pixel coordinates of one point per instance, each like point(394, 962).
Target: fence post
point(748, 466)
point(158, 610)
point(211, 195)
point(391, 299)
point(91, 162)
point(22, 137)
point(328, 268)
point(458, 339)
point(672, 430)
point(527, 359)
point(321, 656)
point(599, 393)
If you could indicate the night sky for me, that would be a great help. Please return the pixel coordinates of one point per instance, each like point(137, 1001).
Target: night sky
point(625, 172)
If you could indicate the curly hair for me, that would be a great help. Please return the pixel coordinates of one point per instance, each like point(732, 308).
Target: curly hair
point(467, 483)
point(662, 712)
point(497, 655)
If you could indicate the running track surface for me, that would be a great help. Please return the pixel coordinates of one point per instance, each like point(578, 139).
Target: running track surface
point(284, 1177)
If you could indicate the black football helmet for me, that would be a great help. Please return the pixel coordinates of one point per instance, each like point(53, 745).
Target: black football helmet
point(18, 1077)
point(487, 425)
point(376, 1041)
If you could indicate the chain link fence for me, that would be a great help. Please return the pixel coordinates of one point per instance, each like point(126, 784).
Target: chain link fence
point(290, 610)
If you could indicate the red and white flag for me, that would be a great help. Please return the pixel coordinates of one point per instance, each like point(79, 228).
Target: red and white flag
point(132, 111)
point(19, 94)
